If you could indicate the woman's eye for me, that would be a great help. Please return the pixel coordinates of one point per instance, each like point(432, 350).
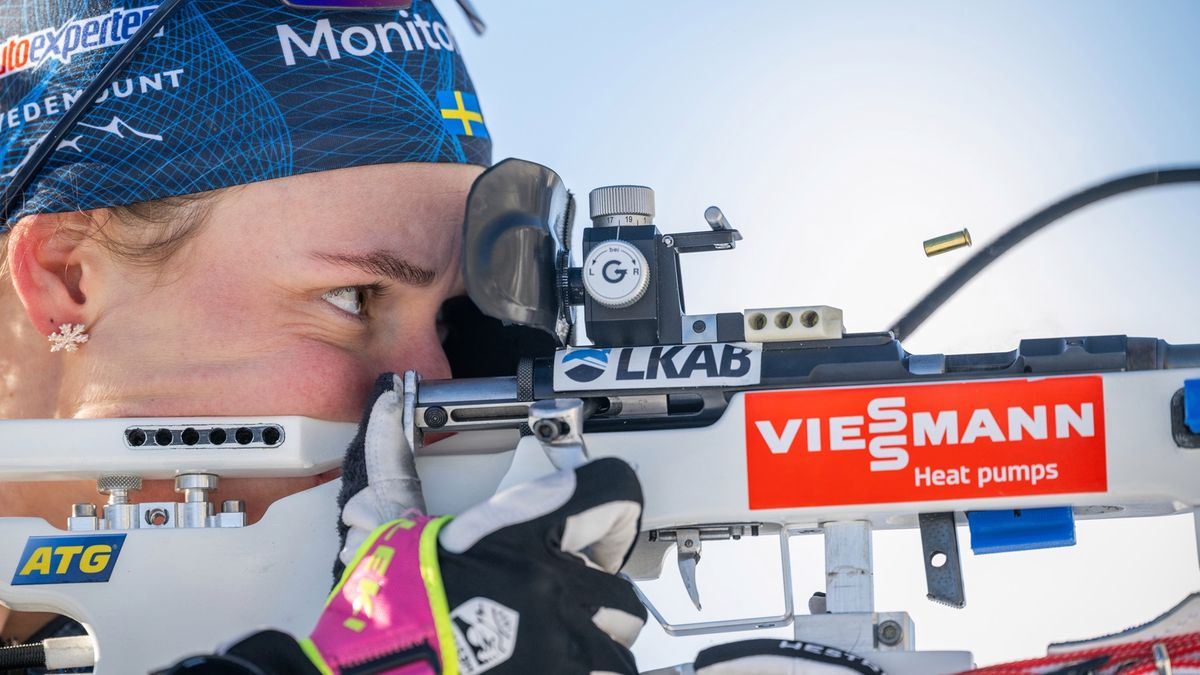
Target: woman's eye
point(349, 299)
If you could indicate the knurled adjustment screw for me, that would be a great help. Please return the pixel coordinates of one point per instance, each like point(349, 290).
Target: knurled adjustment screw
point(621, 200)
point(118, 486)
point(108, 483)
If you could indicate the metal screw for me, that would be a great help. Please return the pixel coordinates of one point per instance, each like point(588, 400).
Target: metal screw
point(233, 506)
point(157, 517)
point(668, 240)
point(889, 633)
point(688, 543)
point(699, 326)
point(83, 510)
point(548, 430)
point(436, 417)
point(196, 486)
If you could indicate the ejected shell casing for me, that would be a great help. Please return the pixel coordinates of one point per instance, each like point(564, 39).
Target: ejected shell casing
point(947, 242)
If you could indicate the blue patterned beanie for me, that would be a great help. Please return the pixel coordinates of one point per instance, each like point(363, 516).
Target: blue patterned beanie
point(228, 92)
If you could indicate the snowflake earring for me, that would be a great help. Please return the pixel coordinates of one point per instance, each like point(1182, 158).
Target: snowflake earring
point(69, 339)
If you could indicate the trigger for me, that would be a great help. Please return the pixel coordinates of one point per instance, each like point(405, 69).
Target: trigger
point(687, 544)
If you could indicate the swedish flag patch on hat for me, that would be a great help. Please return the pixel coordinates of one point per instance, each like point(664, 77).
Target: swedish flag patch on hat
point(461, 114)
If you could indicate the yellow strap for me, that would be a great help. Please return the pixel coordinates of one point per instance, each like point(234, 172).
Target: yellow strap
point(431, 572)
point(310, 650)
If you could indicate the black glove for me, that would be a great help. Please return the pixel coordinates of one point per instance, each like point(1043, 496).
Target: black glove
point(544, 555)
point(267, 652)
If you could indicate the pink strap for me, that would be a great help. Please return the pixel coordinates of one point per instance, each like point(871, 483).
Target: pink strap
point(380, 612)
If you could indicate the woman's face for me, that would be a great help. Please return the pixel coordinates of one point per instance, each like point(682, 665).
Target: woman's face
point(295, 295)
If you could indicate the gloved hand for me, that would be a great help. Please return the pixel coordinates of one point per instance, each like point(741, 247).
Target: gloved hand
point(523, 583)
point(379, 472)
point(780, 657)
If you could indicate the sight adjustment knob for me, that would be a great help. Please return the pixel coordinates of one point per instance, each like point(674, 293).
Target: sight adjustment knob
point(617, 205)
point(616, 274)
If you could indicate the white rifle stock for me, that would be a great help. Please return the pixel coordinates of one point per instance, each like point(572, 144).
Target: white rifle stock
point(178, 590)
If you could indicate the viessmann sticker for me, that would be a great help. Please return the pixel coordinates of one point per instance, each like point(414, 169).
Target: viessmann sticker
point(925, 442)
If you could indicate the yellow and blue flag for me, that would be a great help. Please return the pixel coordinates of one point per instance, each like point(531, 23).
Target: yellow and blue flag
point(461, 114)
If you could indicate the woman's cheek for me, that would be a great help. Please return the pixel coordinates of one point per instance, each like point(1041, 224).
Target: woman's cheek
point(315, 381)
point(333, 386)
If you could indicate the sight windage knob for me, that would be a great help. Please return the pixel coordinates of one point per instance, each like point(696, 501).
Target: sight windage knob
point(621, 205)
point(616, 274)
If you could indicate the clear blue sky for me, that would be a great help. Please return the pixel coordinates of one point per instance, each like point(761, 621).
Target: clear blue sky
point(837, 136)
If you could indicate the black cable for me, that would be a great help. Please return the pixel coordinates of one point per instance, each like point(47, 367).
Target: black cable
point(914, 317)
point(23, 178)
point(22, 656)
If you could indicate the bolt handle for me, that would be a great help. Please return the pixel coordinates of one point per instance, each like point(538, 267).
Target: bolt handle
point(558, 426)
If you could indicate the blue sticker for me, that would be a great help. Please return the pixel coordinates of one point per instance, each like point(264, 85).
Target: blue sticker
point(68, 560)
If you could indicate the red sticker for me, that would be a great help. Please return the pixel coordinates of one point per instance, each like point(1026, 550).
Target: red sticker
point(960, 440)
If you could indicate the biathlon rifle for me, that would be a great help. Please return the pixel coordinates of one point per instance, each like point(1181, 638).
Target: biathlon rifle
point(764, 422)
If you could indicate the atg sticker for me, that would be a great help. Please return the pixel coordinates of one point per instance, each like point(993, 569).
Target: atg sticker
point(68, 560)
point(703, 365)
point(825, 447)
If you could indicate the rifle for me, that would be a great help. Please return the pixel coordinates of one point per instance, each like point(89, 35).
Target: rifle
point(765, 422)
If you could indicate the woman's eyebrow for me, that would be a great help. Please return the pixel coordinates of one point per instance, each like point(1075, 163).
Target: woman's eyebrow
point(384, 264)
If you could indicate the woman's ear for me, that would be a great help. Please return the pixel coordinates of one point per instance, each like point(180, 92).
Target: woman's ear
point(52, 259)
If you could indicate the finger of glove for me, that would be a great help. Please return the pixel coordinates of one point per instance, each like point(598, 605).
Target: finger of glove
point(355, 538)
point(592, 512)
point(391, 465)
point(609, 600)
point(780, 657)
point(599, 651)
point(363, 514)
point(379, 460)
point(387, 482)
